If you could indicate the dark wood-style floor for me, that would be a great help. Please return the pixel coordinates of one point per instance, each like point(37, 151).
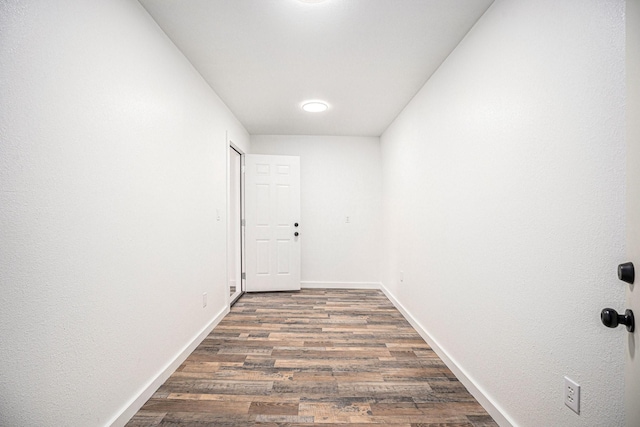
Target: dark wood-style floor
point(313, 357)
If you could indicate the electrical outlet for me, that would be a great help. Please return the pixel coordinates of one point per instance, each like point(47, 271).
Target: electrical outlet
point(401, 276)
point(347, 220)
point(572, 394)
point(204, 300)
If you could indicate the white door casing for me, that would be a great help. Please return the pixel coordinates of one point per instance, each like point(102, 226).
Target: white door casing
point(272, 210)
point(234, 216)
point(632, 342)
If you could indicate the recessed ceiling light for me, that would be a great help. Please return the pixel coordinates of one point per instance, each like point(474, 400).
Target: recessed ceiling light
point(315, 106)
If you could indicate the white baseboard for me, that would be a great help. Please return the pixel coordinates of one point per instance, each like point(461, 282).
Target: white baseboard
point(340, 285)
point(136, 403)
point(477, 392)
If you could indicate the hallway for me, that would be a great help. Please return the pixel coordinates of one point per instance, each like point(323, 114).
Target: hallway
point(317, 356)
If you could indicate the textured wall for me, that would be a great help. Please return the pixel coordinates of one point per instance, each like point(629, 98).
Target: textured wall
point(339, 177)
point(503, 195)
point(112, 166)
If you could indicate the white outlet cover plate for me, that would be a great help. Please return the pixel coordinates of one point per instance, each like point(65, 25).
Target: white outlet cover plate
point(572, 394)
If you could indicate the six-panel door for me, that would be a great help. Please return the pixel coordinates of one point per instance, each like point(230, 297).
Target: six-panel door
point(272, 212)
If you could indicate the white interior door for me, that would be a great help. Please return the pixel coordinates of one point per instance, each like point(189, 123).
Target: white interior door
point(272, 214)
point(632, 343)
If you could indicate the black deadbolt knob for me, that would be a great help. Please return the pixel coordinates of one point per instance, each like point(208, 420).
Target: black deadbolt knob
point(626, 272)
point(611, 319)
point(296, 234)
point(295, 225)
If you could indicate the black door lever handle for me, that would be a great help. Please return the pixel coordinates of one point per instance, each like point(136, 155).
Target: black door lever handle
point(611, 319)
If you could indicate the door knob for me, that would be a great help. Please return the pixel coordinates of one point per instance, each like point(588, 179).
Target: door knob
point(611, 319)
point(296, 234)
point(626, 272)
point(295, 225)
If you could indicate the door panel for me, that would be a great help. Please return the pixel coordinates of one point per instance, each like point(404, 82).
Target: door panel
point(262, 257)
point(632, 343)
point(273, 207)
point(283, 256)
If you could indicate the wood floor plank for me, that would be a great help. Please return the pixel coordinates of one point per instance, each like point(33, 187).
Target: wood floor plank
point(273, 408)
point(315, 357)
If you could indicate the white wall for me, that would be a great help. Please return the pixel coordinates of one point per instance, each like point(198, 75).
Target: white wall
point(112, 166)
point(339, 177)
point(503, 195)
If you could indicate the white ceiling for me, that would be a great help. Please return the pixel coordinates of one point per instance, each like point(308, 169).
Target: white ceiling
point(366, 58)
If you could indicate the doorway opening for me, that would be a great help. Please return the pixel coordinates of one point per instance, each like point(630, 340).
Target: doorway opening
point(235, 248)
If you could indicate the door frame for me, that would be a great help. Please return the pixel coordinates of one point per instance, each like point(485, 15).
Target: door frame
point(237, 149)
point(632, 136)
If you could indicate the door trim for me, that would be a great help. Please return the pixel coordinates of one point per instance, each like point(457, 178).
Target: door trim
point(242, 284)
